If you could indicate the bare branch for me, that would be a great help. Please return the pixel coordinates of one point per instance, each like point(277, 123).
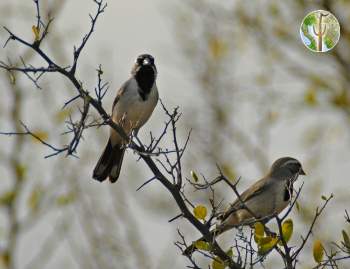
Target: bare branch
point(101, 6)
point(304, 240)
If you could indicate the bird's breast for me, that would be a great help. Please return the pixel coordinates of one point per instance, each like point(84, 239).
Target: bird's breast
point(132, 111)
point(270, 201)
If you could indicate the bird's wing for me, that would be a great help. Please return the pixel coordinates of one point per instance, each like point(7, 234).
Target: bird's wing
point(120, 92)
point(248, 194)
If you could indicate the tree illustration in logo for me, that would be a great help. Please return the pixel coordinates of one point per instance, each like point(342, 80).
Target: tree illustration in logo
point(320, 31)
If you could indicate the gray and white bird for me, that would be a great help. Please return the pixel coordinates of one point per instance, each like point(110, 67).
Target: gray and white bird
point(132, 107)
point(265, 198)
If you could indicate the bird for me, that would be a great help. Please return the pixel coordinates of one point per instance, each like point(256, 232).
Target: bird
point(266, 198)
point(132, 107)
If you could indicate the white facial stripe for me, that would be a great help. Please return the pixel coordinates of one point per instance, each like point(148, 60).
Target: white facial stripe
point(290, 162)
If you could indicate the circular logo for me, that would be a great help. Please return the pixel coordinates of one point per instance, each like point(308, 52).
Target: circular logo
point(320, 31)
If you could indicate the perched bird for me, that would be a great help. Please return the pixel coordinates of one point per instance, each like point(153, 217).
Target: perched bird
point(132, 107)
point(265, 198)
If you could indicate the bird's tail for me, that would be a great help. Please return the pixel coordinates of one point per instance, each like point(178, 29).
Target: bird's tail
point(109, 163)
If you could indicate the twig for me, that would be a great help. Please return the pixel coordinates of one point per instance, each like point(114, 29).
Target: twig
point(304, 240)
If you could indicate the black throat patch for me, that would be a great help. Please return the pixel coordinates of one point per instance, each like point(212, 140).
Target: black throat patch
point(145, 78)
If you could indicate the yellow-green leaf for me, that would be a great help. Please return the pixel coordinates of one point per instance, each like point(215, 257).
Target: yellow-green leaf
point(62, 115)
point(310, 97)
point(229, 172)
point(217, 47)
point(324, 197)
point(318, 251)
point(194, 176)
point(259, 231)
point(272, 116)
point(262, 79)
point(230, 252)
point(346, 240)
point(341, 99)
point(12, 78)
point(287, 229)
point(7, 197)
point(21, 171)
point(200, 212)
point(4, 259)
point(35, 198)
point(218, 264)
point(36, 32)
point(266, 244)
point(202, 245)
point(65, 199)
point(42, 135)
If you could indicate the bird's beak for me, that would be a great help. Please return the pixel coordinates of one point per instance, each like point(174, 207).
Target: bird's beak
point(146, 62)
point(301, 172)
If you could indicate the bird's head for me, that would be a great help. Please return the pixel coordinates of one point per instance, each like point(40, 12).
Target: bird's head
point(144, 63)
point(287, 166)
point(145, 72)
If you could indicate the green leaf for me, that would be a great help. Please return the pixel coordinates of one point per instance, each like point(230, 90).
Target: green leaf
point(202, 245)
point(259, 231)
point(218, 264)
point(313, 45)
point(310, 20)
point(194, 176)
point(230, 252)
point(287, 229)
point(329, 42)
point(266, 244)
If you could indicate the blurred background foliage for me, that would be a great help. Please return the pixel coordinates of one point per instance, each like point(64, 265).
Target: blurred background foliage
point(255, 93)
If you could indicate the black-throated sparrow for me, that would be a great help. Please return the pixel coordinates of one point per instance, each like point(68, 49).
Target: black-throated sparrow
point(265, 198)
point(132, 107)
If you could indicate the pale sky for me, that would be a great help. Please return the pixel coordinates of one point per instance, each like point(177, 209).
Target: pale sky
point(129, 28)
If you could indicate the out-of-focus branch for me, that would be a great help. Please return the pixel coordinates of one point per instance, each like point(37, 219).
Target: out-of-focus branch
point(17, 185)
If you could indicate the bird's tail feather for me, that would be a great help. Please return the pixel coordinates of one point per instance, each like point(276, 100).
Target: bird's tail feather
point(117, 160)
point(109, 163)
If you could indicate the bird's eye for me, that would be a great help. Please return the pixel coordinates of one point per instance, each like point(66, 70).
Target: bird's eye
point(139, 60)
point(151, 59)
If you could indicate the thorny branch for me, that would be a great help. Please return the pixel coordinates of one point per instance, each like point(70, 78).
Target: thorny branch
point(169, 160)
point(77, 129)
